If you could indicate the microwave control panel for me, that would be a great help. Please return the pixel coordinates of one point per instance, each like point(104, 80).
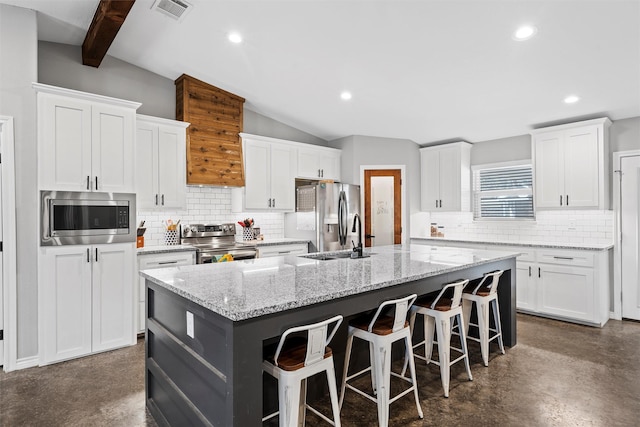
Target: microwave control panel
point(123, 216)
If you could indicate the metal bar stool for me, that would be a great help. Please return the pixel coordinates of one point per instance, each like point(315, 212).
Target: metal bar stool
point(296, 359)
point(381, 332)
point(484, 295)
point(438, 313)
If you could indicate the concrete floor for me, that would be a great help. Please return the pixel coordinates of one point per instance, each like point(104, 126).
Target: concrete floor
point(559, 374)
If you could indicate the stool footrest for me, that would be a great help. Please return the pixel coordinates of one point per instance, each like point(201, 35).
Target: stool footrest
point(362, 393)
point(315, 411)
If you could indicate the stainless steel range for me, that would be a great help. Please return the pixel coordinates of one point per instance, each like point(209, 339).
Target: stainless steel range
point(215, 239)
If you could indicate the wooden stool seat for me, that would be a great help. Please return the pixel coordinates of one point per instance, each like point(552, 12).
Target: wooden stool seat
point(293, 354)
point(443, 304)
point(382, 326)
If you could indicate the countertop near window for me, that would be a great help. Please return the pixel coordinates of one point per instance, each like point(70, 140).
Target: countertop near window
point(549, 245)
point(253, 288)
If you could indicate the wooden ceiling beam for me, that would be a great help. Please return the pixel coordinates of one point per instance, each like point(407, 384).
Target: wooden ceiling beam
point(108, 19)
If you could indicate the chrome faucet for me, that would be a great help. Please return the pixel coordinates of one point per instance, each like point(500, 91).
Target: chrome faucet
point(357, 250)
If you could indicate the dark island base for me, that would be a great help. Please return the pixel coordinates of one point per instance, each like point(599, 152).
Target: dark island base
point(215, 379)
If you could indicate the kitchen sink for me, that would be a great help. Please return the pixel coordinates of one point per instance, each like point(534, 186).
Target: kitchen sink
point(332, 256)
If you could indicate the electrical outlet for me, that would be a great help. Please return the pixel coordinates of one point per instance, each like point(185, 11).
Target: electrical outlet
point(190, 324)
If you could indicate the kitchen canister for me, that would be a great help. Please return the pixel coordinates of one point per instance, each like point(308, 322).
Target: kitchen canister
point(247, 233)
point(171, 237)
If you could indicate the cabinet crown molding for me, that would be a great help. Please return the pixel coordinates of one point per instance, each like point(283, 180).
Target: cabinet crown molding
point(85, 96)
point(604, 121)
point(447, 144)
point(245, 136)
point(162, 121)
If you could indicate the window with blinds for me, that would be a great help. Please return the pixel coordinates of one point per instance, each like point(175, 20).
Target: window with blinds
point(503, 192)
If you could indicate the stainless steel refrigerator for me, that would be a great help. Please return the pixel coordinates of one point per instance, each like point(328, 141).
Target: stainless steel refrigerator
point(324, 215)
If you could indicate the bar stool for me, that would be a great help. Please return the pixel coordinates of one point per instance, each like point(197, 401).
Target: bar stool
point(438, 313)
point(381, 332)
point(483, 295)
point(297, 359)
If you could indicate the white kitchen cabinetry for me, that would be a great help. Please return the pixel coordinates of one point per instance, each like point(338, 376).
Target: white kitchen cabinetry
point(149, 261)
point(446, 177)
point(571, 165)
point(269, 176)
point(85, 300)
point(563, 284)
point(86, 142)
point(284, 249)
point(160, 163)
point(318, 163)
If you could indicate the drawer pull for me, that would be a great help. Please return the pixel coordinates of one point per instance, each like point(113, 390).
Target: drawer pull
point(568, 258)
point(167, 262)
point(529, 271)
point(284, 252)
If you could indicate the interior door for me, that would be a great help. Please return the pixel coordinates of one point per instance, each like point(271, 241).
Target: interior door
point(630, 229)
point(382, 207)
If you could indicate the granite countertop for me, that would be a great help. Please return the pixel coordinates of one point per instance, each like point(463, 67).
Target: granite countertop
point(549, 245)
point(245, 289)
point(164, 248)
point(274, 242)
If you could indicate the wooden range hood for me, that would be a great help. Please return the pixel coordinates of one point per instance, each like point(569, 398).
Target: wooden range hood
point(214, 148)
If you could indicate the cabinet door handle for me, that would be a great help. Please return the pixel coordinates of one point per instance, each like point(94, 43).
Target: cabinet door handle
point(568, 258)
point(88, 256)
point(163, 200)
point(567, 200)
point(269, 202)
point(88, 183)
point(318, 173)
point(440, 202)
point(561, 200)
point(322, 173)
point(96, 182)
point(436, 203)
point(274, 203)
point(156, 200)
point(529, 271)
point(96, 254)
point(539, 272)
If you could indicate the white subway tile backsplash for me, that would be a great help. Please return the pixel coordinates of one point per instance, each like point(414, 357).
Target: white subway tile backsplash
point(549, 226)
point(208, 205)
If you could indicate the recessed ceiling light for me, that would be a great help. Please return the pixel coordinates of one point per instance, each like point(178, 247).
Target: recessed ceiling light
point(235, 38)
point(525, 32)
point(345, 96)
point(571, 99)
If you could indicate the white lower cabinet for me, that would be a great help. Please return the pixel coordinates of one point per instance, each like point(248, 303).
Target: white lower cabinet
point(85, 300)
point(564, 284)
point(567, 292)
point(149, 261)
point(284, 249)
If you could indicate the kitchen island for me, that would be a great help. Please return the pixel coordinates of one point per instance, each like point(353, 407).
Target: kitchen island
point(207, 324)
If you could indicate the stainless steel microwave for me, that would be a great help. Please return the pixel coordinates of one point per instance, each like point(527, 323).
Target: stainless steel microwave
point(80, 218)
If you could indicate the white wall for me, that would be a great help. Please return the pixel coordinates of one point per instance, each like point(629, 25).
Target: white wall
point(501, 150)
point(18, 69)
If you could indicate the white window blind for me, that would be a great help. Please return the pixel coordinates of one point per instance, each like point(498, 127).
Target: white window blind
point(503, 192)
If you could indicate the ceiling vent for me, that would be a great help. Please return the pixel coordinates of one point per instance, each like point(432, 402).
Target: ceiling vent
point(176, 9)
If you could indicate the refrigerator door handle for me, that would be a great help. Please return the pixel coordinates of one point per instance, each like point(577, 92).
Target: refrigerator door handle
point(342, 218)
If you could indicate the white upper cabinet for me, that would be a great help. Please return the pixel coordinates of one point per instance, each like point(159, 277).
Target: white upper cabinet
point(269, 175)
point(446, 177)
point(318, 162)
point(571, 169)
point(86, 142)
point(160, 163)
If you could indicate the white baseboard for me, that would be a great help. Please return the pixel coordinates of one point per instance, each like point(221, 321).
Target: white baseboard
point(27, 362)
point(612, 315)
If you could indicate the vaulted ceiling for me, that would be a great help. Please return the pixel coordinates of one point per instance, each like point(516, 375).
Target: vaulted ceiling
point(422, 70)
